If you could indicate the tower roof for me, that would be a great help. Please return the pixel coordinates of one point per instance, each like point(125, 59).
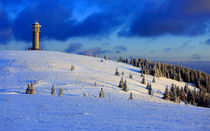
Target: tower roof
point(36, 23)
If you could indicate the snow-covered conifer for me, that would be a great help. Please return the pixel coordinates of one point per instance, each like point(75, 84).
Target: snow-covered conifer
point(60, 92)
point(53, 90)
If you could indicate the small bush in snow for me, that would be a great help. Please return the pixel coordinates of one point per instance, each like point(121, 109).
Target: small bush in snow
point(105, 57)
point(72, 67)
point(131, 96)
point(153, 81)
point(143, 80)
point(53, 90)
point(131, 76)
point(30, 89)
point(117, 73)
point(101, 94)
point(60, 92)
point(85, 94)
point(102, 60)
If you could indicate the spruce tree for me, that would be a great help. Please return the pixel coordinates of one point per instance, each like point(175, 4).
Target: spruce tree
point(143, 80)
point(131, 76)
point(131, 96)
point(125, 87)
point(182, 96)
point(166, 95)
point(150, 89)
point(101, 93)
point(30, 89)
point(60, 92)
point(72, 67)
point(105, 57)
point(189, 97)
point(186, 88)
point(53, 90)
point(117, 73)
point(153, 81)
point(121, 84)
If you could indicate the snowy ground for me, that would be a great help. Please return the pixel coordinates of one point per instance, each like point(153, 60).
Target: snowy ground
point(72, 111)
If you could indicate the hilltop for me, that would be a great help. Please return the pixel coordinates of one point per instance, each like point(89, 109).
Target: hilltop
point(73, 111)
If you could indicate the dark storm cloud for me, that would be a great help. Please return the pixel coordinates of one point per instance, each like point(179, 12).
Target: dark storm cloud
point(5, 28)
point(176, 17)
point(146, 18)
point(196, 56)
point(94, 51)
point(73, 47)
point(58, 22)
point(207, 42)
point(51, 16)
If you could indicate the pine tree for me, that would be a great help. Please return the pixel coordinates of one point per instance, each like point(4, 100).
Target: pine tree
point(131, 76)
point(182, 95)
point(30, 89)
point(150, 89)
point(121, 84)
point(85, 94)
point(166, 95)
point(173, 94)
point(153, 81)
point(148, 86)
point(186, 88)
point(131, 96)
point(60, 92)
point(53, 90)
point(189, 96)
point(125, 87)
point(178, 92)
point(72, 67)
point(105, 57)
point(117, 73)
point(143, 80)
point(101, 93)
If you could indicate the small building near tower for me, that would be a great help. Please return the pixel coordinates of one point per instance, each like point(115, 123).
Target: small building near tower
point(35, 32)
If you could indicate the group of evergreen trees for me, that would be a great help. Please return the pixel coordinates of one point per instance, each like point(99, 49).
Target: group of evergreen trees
point(31, 90)
point(195, 97)
point(123, 84)
point(180, 73)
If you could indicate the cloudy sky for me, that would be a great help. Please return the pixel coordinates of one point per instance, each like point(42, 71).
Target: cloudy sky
point(178, 29)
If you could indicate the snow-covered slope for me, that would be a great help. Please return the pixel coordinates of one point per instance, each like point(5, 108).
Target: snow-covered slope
point(73, 111)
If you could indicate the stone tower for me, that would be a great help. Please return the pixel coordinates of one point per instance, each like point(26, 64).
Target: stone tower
point(35, 29)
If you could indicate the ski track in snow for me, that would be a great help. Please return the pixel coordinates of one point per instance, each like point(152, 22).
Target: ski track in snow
point(72, 111)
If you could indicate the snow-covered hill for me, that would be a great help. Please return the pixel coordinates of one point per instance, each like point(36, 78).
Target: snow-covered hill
point(72, 111)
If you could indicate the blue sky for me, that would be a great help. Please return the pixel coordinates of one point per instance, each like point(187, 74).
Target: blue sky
point(178, 29)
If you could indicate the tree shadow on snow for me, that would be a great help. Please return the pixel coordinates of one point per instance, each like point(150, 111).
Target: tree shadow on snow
point(133, 70)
